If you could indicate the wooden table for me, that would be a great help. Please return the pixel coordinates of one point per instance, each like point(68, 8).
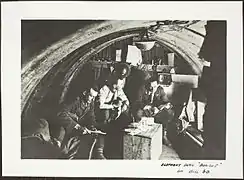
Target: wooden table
point(146, 145)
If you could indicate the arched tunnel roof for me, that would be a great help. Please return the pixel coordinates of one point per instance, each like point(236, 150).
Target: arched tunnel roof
point(185, 41)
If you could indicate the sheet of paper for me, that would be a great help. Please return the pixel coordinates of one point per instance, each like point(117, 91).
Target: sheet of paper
point(134, 55)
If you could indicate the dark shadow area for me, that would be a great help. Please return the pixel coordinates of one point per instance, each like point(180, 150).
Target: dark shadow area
point(37, 35)
point(213, 85)
point(83, 80)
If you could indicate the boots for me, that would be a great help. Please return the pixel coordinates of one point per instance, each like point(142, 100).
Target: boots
point(99, 148)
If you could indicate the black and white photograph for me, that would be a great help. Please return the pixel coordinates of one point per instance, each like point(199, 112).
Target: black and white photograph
point(145, 92)
point(123, 89)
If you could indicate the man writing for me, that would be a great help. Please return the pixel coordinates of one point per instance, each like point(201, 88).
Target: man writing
point(78, 119)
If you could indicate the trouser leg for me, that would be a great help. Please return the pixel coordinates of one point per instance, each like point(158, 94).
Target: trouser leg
point(164, 117)
point(114, 137)
point(78, 147)
point(113, 128)
point(99, 147)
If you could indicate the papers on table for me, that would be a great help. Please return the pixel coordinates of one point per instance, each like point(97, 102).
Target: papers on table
point(133, 131)
point(144, 125)
point(147, 120)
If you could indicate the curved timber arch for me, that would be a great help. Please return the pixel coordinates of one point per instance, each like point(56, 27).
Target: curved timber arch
point(67, 56)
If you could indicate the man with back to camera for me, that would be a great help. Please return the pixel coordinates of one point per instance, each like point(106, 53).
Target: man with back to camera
point(36, 143)
point(119, 70)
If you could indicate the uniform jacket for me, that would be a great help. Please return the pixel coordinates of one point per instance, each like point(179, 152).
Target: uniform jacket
point(159, 98)
point(75, 113)
point(106, 96)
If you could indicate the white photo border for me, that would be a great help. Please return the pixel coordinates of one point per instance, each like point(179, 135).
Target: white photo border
point(12, 14)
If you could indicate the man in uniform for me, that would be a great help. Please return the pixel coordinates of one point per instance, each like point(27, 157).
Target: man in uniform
point(78, 119)
point(154, 103)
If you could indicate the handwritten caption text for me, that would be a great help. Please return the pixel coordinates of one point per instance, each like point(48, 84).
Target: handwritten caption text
point(193, 168)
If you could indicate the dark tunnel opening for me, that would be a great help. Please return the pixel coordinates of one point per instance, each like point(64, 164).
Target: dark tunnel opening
point(33, 31)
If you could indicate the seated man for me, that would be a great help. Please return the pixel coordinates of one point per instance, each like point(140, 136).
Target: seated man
point(153, 99)
point(112, 101)
point(78, 119)
point(154, 103)
point(113, 107)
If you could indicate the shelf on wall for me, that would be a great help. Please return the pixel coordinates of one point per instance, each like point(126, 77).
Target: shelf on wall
point(158, 68)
